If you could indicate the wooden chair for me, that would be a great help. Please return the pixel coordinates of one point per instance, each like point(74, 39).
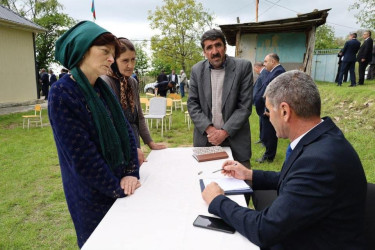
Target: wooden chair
point(187, 119)
point(150, 95)
point(182, 105)
point(169, 112)
point(157, 111)
point(177, 101)
point(146, 102)
point(36, 118)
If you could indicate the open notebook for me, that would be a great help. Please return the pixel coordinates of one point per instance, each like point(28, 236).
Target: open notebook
point(229, 185)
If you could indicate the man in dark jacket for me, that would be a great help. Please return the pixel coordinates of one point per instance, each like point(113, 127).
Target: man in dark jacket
point(348, 53)
point(321, 187)
point(45, 83)
point(52, 77)
point(371, 70)
point(269, 138)
point(258, 92)
point(364, 56)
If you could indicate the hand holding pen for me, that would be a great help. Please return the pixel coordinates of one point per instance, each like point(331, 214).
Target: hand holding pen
point(236, 170)
point(222, 169)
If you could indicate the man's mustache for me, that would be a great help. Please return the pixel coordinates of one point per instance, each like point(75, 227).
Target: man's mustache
point(216, 55)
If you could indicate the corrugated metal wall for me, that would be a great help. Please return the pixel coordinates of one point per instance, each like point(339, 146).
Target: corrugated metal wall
point(17, 66)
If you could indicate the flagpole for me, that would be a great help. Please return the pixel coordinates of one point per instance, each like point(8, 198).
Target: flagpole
point(93, 11)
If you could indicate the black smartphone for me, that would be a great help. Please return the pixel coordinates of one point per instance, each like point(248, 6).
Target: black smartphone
point(213, 224)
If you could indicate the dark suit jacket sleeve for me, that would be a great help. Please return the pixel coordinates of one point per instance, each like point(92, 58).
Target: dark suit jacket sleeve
point(244, 99)
point(368, 49)
point(305, 199)
point(258, 99)
point(345, 47)
point(260, 103)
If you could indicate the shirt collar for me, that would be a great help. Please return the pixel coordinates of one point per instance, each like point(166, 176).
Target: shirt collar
point(274, 67)
point(294, 143)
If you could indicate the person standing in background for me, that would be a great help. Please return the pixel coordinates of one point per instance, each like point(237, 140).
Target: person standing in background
point(135, 75)
point(345, 78)
point(269, 138)
point(220, 97)
point(258, 94)
point(45, 83)
point(63, 72)
point(371, 71)
point(348, 53)
point(173, 80)
point(364, 56)
point(183, 82)
point(52, 77)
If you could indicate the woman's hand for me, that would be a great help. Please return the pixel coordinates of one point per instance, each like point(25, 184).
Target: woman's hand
point(129, 184)
point(141, 157)
point(156, 146)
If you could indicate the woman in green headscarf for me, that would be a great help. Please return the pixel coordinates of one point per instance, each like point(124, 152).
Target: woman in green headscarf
point(96, 147)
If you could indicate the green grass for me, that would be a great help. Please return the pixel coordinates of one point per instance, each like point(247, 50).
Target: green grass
point(33, 211)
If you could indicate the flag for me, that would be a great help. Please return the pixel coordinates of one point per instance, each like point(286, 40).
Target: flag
point(93, 10)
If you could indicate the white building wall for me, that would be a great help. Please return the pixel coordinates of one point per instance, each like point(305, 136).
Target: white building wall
point(17, 66)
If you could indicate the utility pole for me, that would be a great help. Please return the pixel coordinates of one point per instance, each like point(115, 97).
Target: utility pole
point(256, 10)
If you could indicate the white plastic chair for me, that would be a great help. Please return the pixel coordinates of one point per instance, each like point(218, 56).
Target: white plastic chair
point(157, 110)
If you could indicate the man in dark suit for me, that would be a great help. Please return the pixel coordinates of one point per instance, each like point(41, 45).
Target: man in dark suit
point(321, 187)
point(371, 70)
point(45, 83)
point(220, 97)
point(345, 77)
point(173, 79)
point(52, 77)
point(257, 93)
point(364, 56)
point(348, 53)
point(162, 86)
point(269, 138)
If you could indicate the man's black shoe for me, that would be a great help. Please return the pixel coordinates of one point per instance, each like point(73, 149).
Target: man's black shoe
point(264, 159)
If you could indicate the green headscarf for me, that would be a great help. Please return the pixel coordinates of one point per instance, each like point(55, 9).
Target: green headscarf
point(113, 136)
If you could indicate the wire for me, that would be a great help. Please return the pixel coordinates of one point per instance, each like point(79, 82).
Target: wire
point(269, 7)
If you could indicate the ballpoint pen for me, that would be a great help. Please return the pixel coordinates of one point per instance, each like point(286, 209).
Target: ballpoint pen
point(235, 164)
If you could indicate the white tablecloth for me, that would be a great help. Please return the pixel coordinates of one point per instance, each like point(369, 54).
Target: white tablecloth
point(161, 213)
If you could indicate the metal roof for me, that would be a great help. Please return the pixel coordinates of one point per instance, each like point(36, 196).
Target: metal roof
point(10, 19)
point(303, 22)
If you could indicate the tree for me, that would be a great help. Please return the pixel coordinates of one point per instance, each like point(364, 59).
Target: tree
point(181, 23)
point(325, 38)
point(47, 14)
point(142, 58)
point(365, 16)
point(142, 62)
